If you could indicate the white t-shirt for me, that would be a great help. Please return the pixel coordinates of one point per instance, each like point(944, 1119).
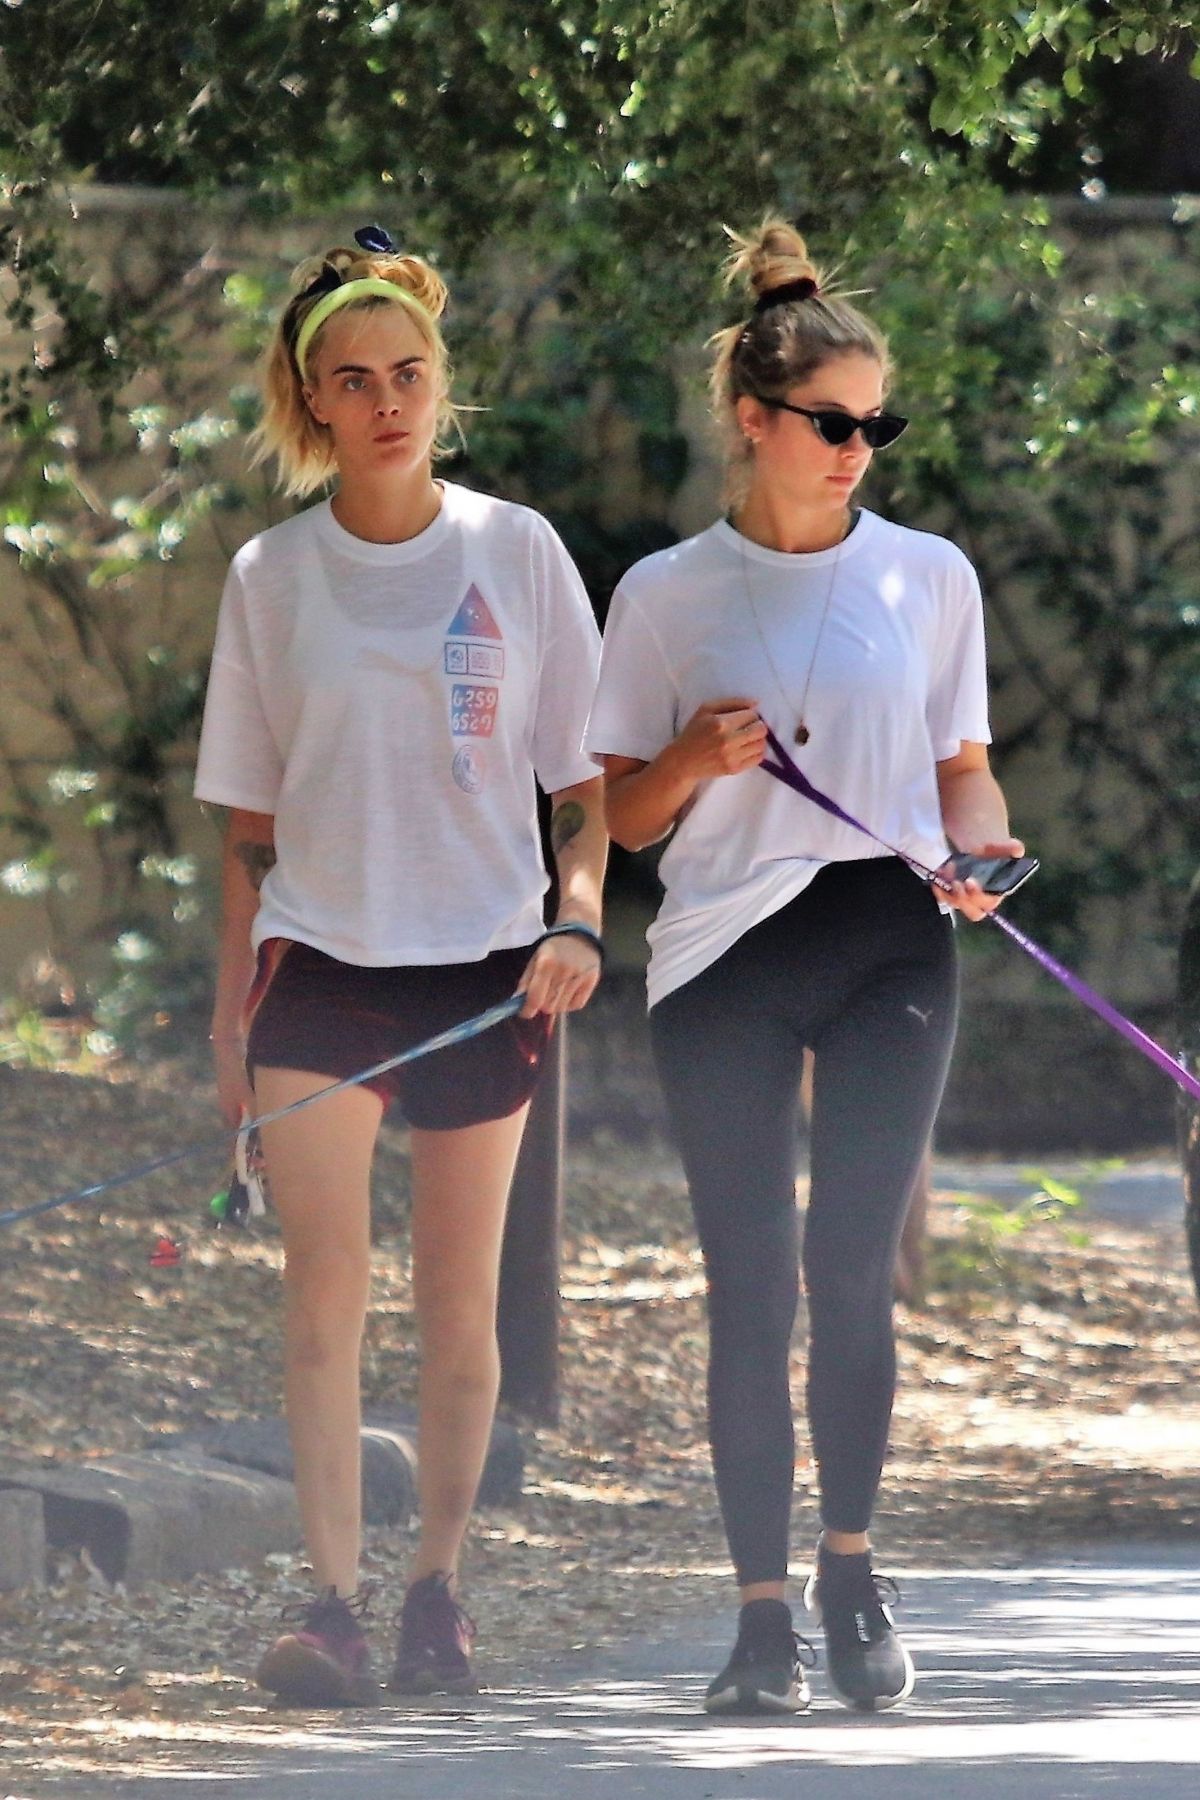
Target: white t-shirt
point(391, 705)
point(898, 684)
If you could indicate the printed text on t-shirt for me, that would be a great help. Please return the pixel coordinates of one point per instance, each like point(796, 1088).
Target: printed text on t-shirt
point(473, 710)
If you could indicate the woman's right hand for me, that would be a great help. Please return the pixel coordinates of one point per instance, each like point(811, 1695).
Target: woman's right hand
point(235, 1096)
point(722, 737)
point(644, 801)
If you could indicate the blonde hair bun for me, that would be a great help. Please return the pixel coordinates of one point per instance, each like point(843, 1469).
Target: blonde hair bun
point(412, 273)
point(773, 256)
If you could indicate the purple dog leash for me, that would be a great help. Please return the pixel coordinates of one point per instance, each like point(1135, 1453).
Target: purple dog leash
point(785, 769)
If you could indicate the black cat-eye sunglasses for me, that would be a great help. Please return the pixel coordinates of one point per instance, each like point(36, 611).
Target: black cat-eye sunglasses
point(834, 427)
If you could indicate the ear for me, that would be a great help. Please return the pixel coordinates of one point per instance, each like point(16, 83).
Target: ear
point(312, 403)
point(751, 417)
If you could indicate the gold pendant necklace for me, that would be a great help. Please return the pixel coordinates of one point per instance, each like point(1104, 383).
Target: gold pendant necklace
point(802, 733)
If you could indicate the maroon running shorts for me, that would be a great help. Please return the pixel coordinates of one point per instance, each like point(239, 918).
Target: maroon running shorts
point(309, 1011)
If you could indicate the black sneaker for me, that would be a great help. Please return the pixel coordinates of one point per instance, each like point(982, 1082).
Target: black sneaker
point(869, 1668)
point(765, 1673)
point(433, 1652)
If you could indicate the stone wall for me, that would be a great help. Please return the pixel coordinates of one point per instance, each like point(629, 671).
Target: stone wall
point(156, 243)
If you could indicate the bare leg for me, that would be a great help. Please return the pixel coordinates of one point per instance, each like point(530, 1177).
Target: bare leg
point(761, 1590)
point(319, 1165)
point(460, 1192)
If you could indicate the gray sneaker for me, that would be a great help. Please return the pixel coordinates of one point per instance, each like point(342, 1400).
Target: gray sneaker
point(765, 1673)
point(869, 1668)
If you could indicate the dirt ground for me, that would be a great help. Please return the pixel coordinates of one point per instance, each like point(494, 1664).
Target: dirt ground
point(1047, 1383)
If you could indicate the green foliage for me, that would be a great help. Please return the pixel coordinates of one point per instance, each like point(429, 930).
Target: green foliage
point(1078, 408)
point(29, 1040)
point(987, 1255)
point(601, 144)
point(620, 133)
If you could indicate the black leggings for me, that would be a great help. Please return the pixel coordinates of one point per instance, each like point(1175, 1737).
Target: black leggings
point(860, 967)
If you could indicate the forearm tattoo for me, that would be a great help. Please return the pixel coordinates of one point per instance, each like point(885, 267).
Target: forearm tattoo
point(257, 859)
point(566, 822)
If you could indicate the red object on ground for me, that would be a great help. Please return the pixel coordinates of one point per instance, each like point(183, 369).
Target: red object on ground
point(166, 1254)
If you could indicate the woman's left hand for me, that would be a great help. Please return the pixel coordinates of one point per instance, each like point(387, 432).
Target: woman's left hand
point(561, 976)
point(967, 896)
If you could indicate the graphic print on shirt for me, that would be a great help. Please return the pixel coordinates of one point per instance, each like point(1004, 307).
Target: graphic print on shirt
point(474, 650)
point(469, 769)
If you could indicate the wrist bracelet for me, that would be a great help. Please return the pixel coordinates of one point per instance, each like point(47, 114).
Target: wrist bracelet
point(574, 928)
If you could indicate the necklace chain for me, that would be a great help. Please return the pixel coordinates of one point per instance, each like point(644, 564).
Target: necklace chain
point(802, 733)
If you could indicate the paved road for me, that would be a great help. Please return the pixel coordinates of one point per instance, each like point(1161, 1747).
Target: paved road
point(1035, 1684)
point(1142, 1192)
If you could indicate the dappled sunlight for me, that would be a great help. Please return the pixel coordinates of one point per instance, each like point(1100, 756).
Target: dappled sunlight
point(1132, 1738)
point(1019, 1669)
point(1043, 1402)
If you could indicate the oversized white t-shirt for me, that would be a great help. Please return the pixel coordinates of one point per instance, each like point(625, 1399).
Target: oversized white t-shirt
point(899, 683)
point(391, 705)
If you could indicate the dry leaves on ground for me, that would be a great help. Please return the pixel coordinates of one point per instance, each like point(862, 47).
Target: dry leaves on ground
point(1045, 1396)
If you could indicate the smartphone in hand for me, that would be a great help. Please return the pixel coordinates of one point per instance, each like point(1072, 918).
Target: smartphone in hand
point(995, 874)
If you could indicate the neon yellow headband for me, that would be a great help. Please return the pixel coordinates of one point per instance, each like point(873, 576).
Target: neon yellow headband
point(366, 287)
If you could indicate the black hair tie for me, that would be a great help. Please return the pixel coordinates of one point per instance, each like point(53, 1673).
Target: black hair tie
point(372, 238)
point(375, 239)
point(325, 281)
point(804, 289)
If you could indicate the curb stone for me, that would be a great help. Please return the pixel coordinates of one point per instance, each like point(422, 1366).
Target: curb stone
point(223, 1500)
point(389, 1462)
point(389, 1459)
point(159, 1516)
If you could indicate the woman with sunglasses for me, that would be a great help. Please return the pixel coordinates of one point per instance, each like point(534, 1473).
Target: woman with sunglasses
point(861, 643)
point(397, 668)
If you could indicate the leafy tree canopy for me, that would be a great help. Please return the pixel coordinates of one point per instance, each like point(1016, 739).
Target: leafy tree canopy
point(607, 140)
point(487, 104)
point(610, 137)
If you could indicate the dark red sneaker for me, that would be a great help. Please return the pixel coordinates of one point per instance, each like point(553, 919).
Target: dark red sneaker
point(325, 1662)
point(433, 1654)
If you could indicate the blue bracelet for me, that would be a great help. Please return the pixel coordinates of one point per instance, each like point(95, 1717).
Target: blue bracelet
point(570, 928)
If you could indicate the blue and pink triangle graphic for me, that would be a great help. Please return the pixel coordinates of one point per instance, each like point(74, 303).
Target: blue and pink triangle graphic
point(474, 617)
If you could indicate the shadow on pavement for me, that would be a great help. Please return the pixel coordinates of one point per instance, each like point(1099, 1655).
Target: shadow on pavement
point(1043, 1682)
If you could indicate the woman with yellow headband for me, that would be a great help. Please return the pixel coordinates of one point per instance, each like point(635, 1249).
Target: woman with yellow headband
point(397, 669)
